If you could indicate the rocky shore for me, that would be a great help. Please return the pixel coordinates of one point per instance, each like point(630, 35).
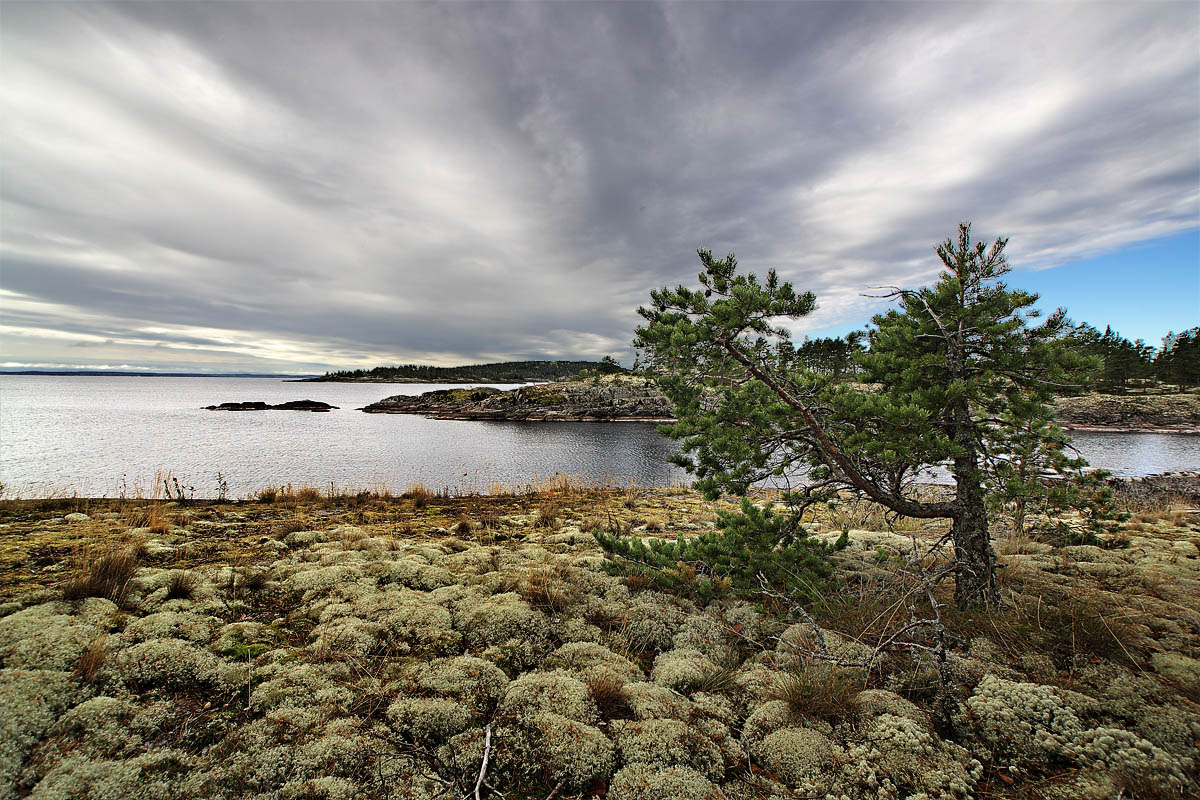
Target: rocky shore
point(291, 405)
point(613, 398)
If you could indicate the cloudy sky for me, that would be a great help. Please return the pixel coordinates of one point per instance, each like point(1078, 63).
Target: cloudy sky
point(290, 187)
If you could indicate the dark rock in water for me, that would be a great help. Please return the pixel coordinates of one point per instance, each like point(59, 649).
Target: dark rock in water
point(612, 398)
point(291, 405)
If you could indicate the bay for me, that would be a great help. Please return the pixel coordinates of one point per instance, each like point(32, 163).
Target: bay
point(108, 435)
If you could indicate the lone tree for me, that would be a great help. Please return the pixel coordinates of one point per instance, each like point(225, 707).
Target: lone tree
point(954, 376)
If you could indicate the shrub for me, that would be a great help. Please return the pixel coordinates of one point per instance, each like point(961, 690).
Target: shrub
point(749, 543)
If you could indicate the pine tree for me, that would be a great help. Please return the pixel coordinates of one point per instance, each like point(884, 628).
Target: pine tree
point(1179, 360)
point(958, 376)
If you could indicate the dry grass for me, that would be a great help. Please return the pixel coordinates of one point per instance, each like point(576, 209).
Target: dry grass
point(608, 692)
point(819, 691)
point(1067, 628)
point(287, 526)
point(546, 515)
point(92, 659)
point(546, 588)
point(152, 515)
point(182, 586)
point(858, 514)
point(102, 569)
point(250, 579)
point(419, 495)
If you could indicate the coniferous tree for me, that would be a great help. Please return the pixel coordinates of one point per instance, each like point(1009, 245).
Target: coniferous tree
point(1179, 360)
point(957, 373)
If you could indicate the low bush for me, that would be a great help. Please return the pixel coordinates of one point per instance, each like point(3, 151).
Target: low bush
point(749, 543)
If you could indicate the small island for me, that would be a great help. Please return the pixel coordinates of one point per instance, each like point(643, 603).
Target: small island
point(257, 405)
point(611, 398)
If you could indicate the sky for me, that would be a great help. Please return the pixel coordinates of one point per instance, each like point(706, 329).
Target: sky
point(295, 187)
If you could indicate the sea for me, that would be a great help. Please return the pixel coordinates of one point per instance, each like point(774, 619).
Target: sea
point(113, 436)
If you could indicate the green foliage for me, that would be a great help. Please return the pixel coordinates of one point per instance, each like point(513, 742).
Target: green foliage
point(832, 356)
point(1179, 360)
point(960, 373)
point(748, 542)
point(1117, 361)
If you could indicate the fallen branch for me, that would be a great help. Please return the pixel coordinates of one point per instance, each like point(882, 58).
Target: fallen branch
point(487, 754)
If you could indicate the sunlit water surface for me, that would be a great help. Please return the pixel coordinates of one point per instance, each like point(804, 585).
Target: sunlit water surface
point(104, 435)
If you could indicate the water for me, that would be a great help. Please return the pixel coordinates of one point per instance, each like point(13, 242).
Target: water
point(101, 435)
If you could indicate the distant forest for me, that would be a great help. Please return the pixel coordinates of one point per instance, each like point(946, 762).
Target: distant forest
point(1120, 365)
point(507, 372)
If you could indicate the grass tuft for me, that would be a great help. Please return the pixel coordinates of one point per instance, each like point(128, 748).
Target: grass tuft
point(608, 692)
point(819, 691)
point(182, 586)
point(104, 570)
point(91, 660)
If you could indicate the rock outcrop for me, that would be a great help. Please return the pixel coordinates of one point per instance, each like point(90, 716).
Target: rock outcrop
point(1168, 413)
point(291, 405)
point(613, 398)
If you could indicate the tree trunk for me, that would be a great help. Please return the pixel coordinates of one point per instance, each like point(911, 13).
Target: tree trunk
point(975, 568)
point(975, 571)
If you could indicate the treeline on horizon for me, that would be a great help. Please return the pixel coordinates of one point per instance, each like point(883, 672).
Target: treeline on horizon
point(1122, 364)
point(506, 372)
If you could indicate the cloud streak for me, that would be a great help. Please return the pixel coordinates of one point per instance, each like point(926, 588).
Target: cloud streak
point(254, 187)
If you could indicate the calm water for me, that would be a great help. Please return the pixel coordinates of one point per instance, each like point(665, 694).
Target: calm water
point(92, 435)
point(84, 435)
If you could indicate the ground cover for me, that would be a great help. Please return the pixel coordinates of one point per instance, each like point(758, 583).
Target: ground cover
point(401, 647)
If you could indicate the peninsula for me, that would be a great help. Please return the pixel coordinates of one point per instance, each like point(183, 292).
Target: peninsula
point(611, 398)
point(504, 372)
point(635, 398)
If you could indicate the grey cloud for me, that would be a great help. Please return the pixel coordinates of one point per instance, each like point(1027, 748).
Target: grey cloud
point(383, 182)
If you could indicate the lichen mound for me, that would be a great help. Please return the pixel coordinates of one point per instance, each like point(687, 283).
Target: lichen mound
point(369, 652)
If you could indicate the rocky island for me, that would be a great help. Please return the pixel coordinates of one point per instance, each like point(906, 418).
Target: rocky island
point(291, 405)
point(611, 398)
